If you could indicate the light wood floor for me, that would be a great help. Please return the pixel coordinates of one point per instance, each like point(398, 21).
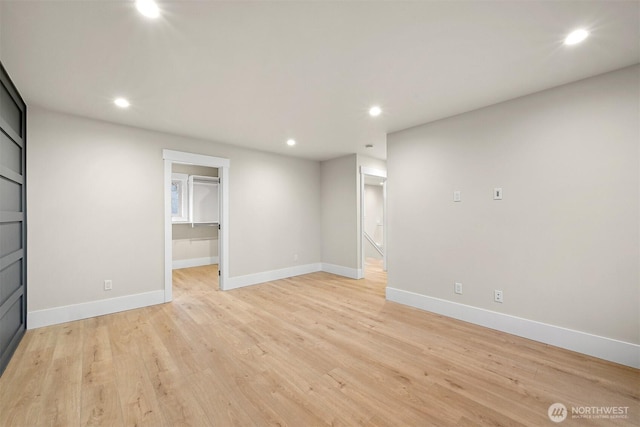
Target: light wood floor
point(313, 350)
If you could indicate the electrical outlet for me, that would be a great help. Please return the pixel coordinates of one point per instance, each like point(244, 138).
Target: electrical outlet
point(458, 288)
point(457, 196)
point(497, 296)
point(295, 257)
point(108, 285)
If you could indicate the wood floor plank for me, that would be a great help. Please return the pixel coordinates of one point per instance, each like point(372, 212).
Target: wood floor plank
point(100, 398)
point(313, 350)
point(101, 405)
point(97, 362)
point(62, 389)
point(138, 401)
point(223, 404)
point(21, 405)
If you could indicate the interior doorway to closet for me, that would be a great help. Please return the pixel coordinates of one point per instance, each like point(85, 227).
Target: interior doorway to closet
point(196, 215)
point(373, 195)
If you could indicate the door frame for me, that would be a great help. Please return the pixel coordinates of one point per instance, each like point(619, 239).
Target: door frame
point(170, 157)
point(364, 171)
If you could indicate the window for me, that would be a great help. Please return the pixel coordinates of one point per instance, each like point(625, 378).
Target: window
point(179, 197)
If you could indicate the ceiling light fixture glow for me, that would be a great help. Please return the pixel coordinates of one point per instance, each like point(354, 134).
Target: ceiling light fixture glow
point(375, 111)
point(121, 102)
point(291, 142)
point(148, 8)
point(576, 37)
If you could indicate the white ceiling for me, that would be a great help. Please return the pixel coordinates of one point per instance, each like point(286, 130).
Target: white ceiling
point(257, 73)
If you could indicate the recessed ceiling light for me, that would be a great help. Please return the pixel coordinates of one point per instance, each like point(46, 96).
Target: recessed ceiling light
point(576, 37)
point(121, 102)
point(291, 142)
point(148, 8)
point(375, 111)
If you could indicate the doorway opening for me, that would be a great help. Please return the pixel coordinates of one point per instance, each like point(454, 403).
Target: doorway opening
point(373, 221)
point(176, 205)
point(195, 223)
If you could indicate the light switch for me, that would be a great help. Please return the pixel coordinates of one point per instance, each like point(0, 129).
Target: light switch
point(497, 194)
point(457, 196)
point(458, 288)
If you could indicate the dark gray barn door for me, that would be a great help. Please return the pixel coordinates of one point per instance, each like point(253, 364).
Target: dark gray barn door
point(13, 230)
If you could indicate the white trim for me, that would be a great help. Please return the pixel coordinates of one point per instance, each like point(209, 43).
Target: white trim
point(168, 232)
point(373, 172)
point(193, 262)
point(223, 165)
point(340, 270)
point(195, 159)
point(593, 345)
point(384, 226)
point(268, 276)
point(85, 310)
point(223, 234)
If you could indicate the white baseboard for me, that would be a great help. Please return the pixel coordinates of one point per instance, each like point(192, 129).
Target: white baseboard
point(193, 262)
point(268, 276)
point(85, 310)
point(352, 273)
point(593, 345)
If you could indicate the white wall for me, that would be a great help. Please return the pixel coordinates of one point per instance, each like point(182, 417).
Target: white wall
point(339, 216)
point(341, 228)
point(95, 197)
point(1, 40)
point(194, 170)
point(563, 244)
point(194, 244)
point(370, 162)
